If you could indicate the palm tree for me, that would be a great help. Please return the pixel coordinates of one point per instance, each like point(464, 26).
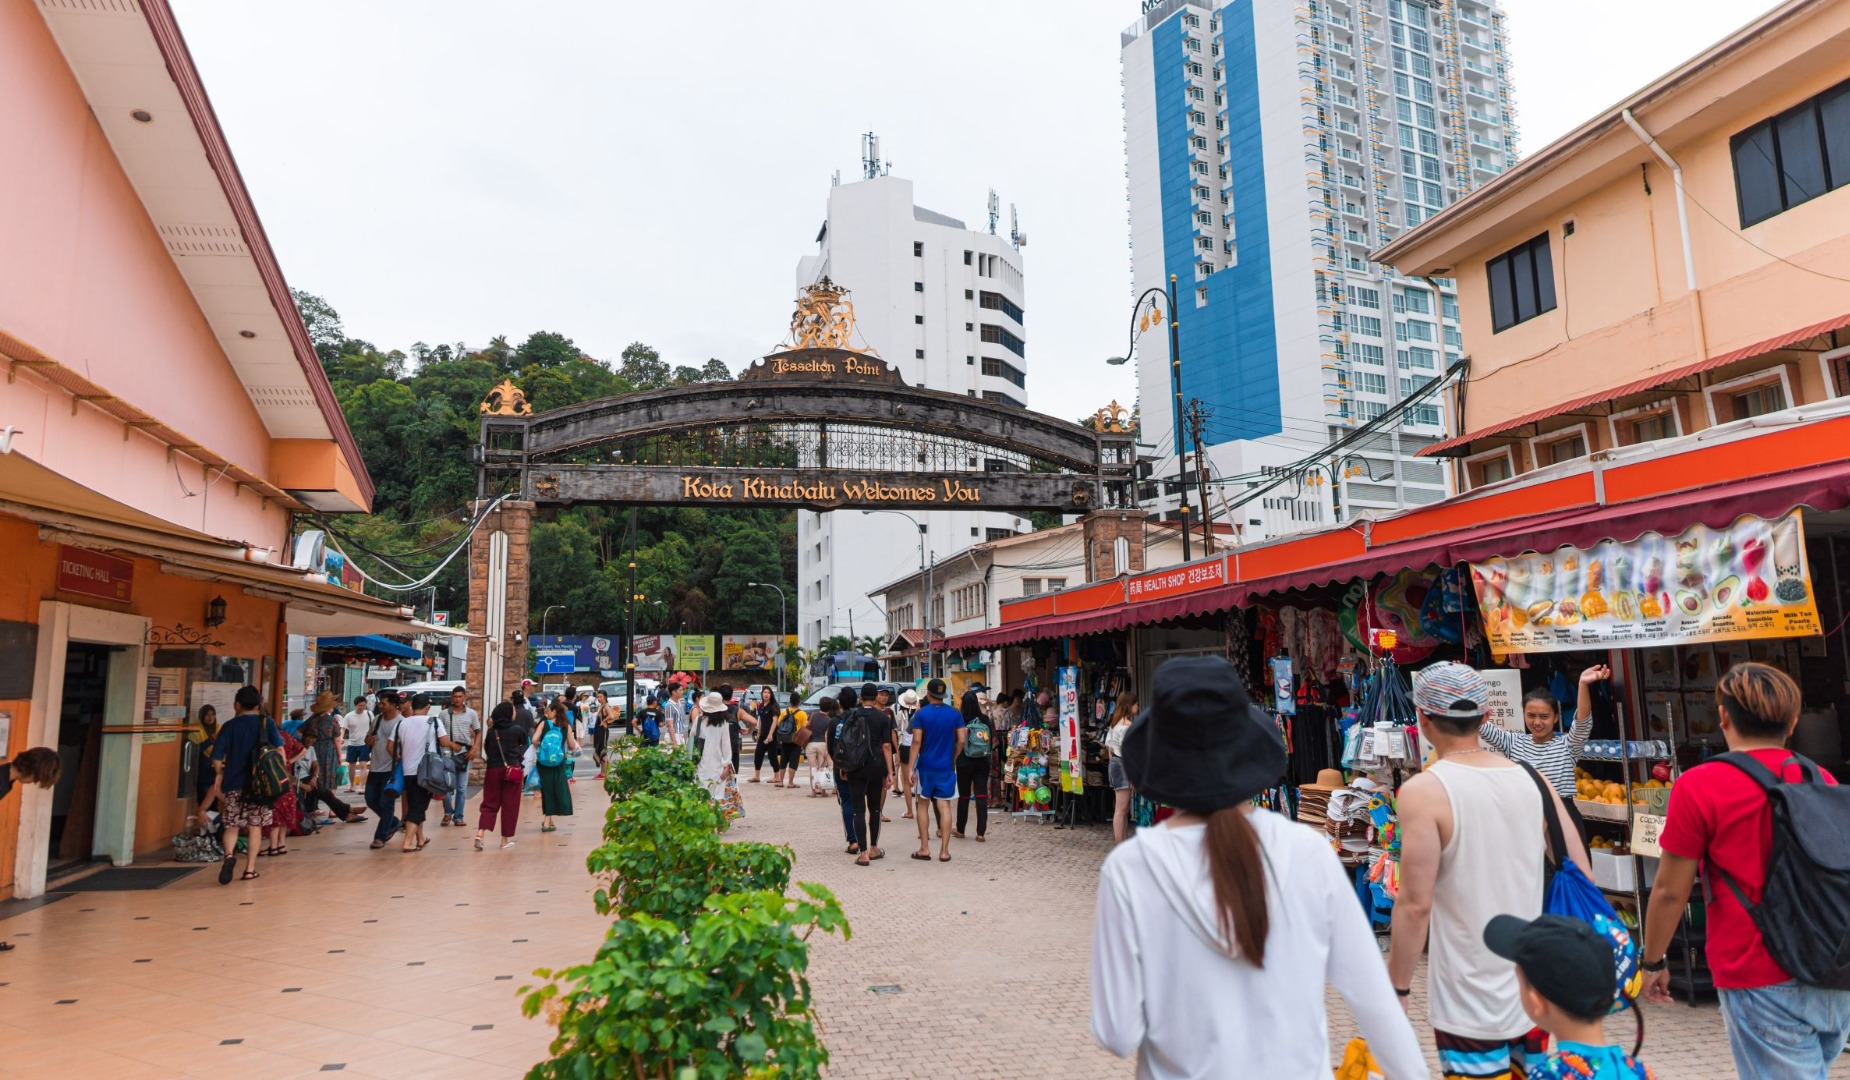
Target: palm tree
point(872, 644)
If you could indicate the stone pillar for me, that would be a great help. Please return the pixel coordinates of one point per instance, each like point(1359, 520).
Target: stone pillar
point(1103, 528)
point(499, 557)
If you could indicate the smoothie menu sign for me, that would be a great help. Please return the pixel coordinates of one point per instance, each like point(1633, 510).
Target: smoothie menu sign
point(1748, 580)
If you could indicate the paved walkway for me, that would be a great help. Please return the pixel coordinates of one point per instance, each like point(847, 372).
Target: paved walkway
point(377, 963)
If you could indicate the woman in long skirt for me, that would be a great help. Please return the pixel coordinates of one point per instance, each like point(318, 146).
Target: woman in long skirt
point(715, 771)
point(555, 791)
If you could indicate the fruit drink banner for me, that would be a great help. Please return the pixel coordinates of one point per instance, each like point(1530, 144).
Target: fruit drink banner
point(1748, 580)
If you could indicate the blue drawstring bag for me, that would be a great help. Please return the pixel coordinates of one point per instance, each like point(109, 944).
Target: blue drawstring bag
point(1568, 892)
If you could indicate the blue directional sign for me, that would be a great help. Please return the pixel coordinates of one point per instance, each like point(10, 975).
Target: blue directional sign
point(560, 662)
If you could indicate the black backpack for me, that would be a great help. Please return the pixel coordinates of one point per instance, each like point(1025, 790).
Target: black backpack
point(1804, 910)
point(854, 747)
point(787, 726)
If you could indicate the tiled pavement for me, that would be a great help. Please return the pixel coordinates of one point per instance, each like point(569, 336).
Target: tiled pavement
point(377, 963)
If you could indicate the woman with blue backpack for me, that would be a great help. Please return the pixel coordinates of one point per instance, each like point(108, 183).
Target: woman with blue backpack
point(973, 765)
point(555, 741)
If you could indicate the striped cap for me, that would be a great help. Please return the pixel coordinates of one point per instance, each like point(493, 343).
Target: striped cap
point(1440, 689)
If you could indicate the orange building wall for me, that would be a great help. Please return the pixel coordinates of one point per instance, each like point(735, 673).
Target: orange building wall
point(1623, 310)
point(249, 631)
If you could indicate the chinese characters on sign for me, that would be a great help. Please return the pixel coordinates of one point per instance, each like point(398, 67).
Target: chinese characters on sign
point(1177, 581)
point(1748, 580)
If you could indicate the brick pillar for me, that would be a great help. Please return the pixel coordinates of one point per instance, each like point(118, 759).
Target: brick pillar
point(1102, 530)
point(513, 521)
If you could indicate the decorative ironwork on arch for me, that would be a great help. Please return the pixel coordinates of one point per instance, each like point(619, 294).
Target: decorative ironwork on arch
point(815, 426)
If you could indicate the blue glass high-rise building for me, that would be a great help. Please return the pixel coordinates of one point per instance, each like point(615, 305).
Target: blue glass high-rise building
point(1269, 148)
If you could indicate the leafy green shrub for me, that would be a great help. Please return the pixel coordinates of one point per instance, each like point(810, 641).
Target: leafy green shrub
point(703, 972)
point(726, 997)
point(664, 858)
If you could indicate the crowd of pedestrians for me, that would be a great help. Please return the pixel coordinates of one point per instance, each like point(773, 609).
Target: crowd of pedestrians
point(1219, 929)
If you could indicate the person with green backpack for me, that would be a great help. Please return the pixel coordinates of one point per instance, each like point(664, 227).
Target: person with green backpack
point(973, 763)
point(247, 758)
point(554, 743)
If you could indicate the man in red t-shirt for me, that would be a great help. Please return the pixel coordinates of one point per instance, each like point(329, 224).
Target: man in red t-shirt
point(1719, 817)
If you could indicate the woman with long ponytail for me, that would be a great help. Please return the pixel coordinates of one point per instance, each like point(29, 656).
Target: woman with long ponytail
point(1201, 966)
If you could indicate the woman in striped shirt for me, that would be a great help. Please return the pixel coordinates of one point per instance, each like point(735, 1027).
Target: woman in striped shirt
point(1545, 748)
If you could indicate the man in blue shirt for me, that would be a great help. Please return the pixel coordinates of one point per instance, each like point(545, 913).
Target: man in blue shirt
point(937, 739)
point(237, 738)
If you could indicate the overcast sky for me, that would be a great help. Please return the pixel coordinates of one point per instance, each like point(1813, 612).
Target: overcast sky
point(449, 170)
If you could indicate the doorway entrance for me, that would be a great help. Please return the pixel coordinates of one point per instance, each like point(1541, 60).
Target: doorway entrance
point(80, 746)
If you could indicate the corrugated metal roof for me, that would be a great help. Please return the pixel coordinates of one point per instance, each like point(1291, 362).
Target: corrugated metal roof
point(1638, 386)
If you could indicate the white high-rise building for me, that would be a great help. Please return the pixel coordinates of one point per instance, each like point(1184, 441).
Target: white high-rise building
point(943, 304)
point(1270, 147)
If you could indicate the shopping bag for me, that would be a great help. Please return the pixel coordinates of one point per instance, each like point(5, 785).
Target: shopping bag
point(342, 776)
point(1358, 1063)
point(825, 779)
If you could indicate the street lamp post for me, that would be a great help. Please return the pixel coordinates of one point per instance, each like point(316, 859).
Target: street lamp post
point(545, 614)
point(782, 628)
point(1175, 383)
point(925, 572)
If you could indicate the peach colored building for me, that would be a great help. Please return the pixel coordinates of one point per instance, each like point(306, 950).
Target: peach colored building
point(163, 419)
point(1678, 262)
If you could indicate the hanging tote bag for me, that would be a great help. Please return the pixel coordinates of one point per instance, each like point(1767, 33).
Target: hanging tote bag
point(436, 770)
point(1567, 891)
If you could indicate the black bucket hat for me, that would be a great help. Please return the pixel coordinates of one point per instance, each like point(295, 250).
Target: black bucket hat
point(1202, 745)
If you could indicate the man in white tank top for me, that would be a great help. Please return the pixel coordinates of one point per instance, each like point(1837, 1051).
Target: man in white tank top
point(1472, 846)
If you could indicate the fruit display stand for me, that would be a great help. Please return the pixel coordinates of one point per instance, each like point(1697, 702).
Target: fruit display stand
point(1609, 807)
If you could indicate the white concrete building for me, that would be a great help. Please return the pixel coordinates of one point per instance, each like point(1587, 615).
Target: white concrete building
point(1270, 147)
point(943, 304)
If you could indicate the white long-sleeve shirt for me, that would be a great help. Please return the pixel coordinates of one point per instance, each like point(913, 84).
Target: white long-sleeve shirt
point(1165, 988)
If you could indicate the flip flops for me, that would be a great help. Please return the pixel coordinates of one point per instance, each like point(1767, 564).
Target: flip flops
point(227, 869)
point(921, 858)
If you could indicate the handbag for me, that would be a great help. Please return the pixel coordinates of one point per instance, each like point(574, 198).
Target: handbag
point(436, 772)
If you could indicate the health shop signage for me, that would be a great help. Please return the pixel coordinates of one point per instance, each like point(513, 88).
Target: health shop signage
point(1177, 580)
point(1748, 580)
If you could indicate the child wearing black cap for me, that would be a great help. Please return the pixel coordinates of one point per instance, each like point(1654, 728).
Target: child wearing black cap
point(1565, 973)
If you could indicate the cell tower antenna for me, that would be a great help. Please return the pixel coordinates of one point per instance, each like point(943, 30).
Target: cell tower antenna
point(1016, 236)
point(870, 156)
point(995, 211)
point(835, 181)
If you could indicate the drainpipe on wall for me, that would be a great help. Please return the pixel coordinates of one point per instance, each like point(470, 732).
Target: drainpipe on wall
point(1689, 255)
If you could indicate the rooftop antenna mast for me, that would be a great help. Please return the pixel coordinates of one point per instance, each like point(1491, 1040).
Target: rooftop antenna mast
point(1016, 236)
point(870, 156)
point(995, 211)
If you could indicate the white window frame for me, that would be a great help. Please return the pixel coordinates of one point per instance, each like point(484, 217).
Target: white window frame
point(1825, 361)
point(1540, 442)
point(1664, 405)
point(1763, 377)
point(1507, 453)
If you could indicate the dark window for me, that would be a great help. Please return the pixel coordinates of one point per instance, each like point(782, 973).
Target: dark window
point(1793, 157)
point(918, 286)
point(995, 335)
point(920, 353)
point(1565, 449)
point(969, 359)
point(918, 248)
point(1522, 284)
point(1004, 370)
point(998, 302)
point(993, 535)
point(969, 294)
point(1002, 399)
point(967, 255)
point(919, 319)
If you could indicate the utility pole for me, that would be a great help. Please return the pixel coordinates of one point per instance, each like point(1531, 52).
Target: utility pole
point(629, 639)
point(1175, 385)
point(1196, 418)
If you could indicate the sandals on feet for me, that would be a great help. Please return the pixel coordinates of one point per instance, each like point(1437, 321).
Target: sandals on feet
point(478, 843)
point(921, 858)
point(250, 875)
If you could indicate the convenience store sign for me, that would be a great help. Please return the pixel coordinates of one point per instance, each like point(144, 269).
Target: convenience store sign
point(1745, 581)
point(1177, 581)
